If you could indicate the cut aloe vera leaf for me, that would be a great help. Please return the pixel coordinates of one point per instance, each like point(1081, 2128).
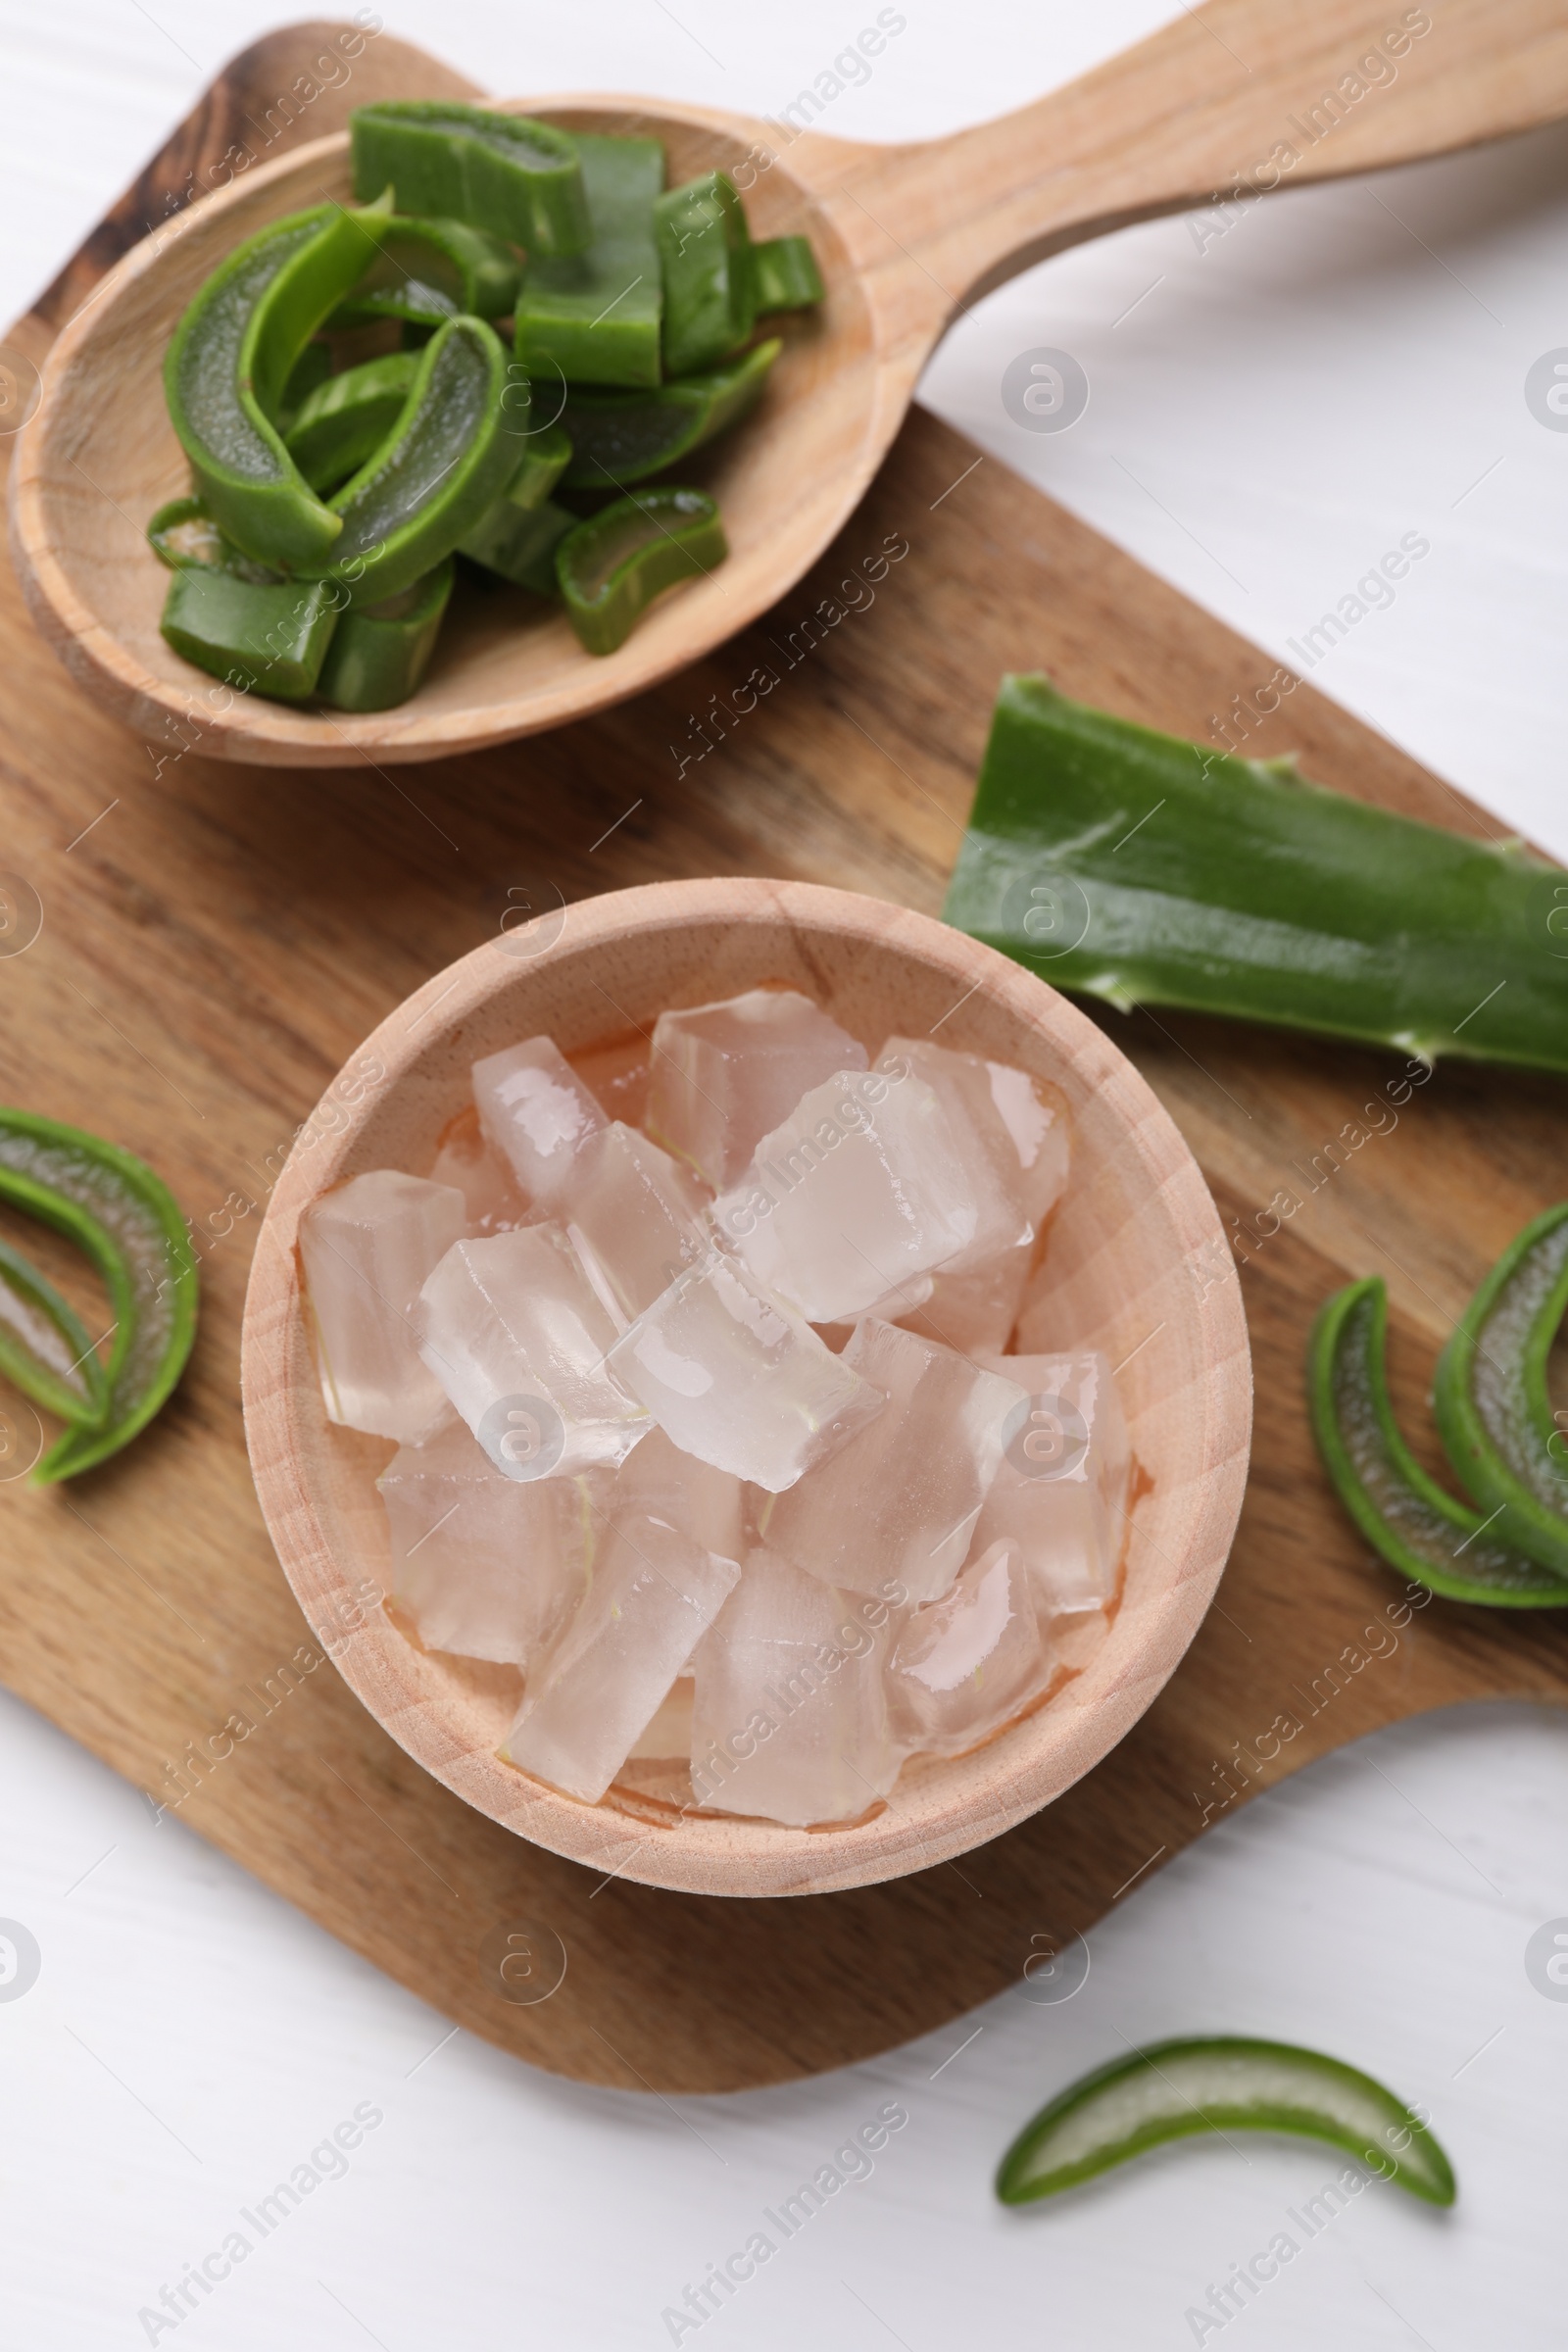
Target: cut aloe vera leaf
point(785, 274)
point(621, 437)
point(127, 1222)
point(437, 475)
point(230, 359)
point(310, 371)
point(264, 640)
point(705, 255)
point(1148, 871)
point(184, 537)
point(593, 317)
point(513, 177)
point(1491, 1398)
point(345, 420)
point(1224, 2083)
point(380, 653)
point(1404, 1514)
point(430, 270)
point(546, 454)
point(613, 565)
point(44, 1348)
point(519, 543)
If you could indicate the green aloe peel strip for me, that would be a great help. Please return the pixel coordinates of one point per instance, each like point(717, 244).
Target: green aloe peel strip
point(1223, 2084)
point(1404, 1514)
point(1490, 1396)
point(127, 1223)
point(45, 1349)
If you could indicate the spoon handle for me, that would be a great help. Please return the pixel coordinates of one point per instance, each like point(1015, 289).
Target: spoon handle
point(1229, 102)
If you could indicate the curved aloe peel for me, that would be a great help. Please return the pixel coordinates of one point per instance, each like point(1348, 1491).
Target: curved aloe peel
point(1491, 1399)
point(230, 359)
point(345, 420)
point(1404, 1514)
point(611, 567)
point(430, 270)
point(622, 437)
point(439, 472)
point(44, 1348)
point(127, 1222)
point(1223, 2084)
point(1142, 869)
point(504, 174)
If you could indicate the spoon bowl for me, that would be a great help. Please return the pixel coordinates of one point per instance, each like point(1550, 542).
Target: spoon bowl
point(1238, 99)
point(1137, 1264)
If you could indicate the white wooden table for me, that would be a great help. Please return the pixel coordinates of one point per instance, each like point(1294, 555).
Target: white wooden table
point(1271, 408)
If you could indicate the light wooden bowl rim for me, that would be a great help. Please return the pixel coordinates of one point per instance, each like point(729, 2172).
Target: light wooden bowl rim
point(950, 1807)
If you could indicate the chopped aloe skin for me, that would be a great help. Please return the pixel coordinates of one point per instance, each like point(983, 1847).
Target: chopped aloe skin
point(264, 640)
point(346, 419)
point(1491, 1398)
point(183, 536)
point(519, 543)
point(1225, 2083)
point(506, 173)
point(44, 1348)
point(312, 367)
point(437, 476)
point(1402, 1513)
point(594, 318)
point(704, 253)
point(546, 454)
point(1142, 869)
point(231, 357)
point(612, 567)
point(621, 437)
point(130, 1225)
point(785, 274)
point(380, 653)
point(432, 271)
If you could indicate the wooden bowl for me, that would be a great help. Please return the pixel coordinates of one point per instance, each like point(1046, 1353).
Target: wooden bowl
point(1138, 1263)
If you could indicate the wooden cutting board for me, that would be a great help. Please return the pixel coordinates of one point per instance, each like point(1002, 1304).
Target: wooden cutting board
point(215, 940)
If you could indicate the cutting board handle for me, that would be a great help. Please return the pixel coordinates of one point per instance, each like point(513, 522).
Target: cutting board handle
point(1228, 103)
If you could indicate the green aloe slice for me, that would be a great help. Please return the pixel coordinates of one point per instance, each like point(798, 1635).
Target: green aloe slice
point(442, 467)
point(183, 536)
point(505, 173)
point(1491, 1399)
point(428, 271)
point(593, 317)
point(1223, 2084)
point(345, 420)
point(126, 1219)
point(621, 437)
point(785, 274)
point(44, 1347)
point(380, 653)
point(1404, 1514)
point(232, 357)
point(611, 567)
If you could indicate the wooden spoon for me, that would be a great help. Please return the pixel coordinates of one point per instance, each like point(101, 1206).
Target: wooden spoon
point(1232, 100)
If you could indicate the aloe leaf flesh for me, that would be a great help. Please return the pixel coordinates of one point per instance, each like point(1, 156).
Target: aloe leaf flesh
point(1403, 1514)
point(1134, 866)
point(45, 1349)
point(127, 1222)
point(1222, 2084)
point(1491, 1398)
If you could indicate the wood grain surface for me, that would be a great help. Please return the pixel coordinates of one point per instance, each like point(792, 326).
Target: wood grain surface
point(216, 941)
